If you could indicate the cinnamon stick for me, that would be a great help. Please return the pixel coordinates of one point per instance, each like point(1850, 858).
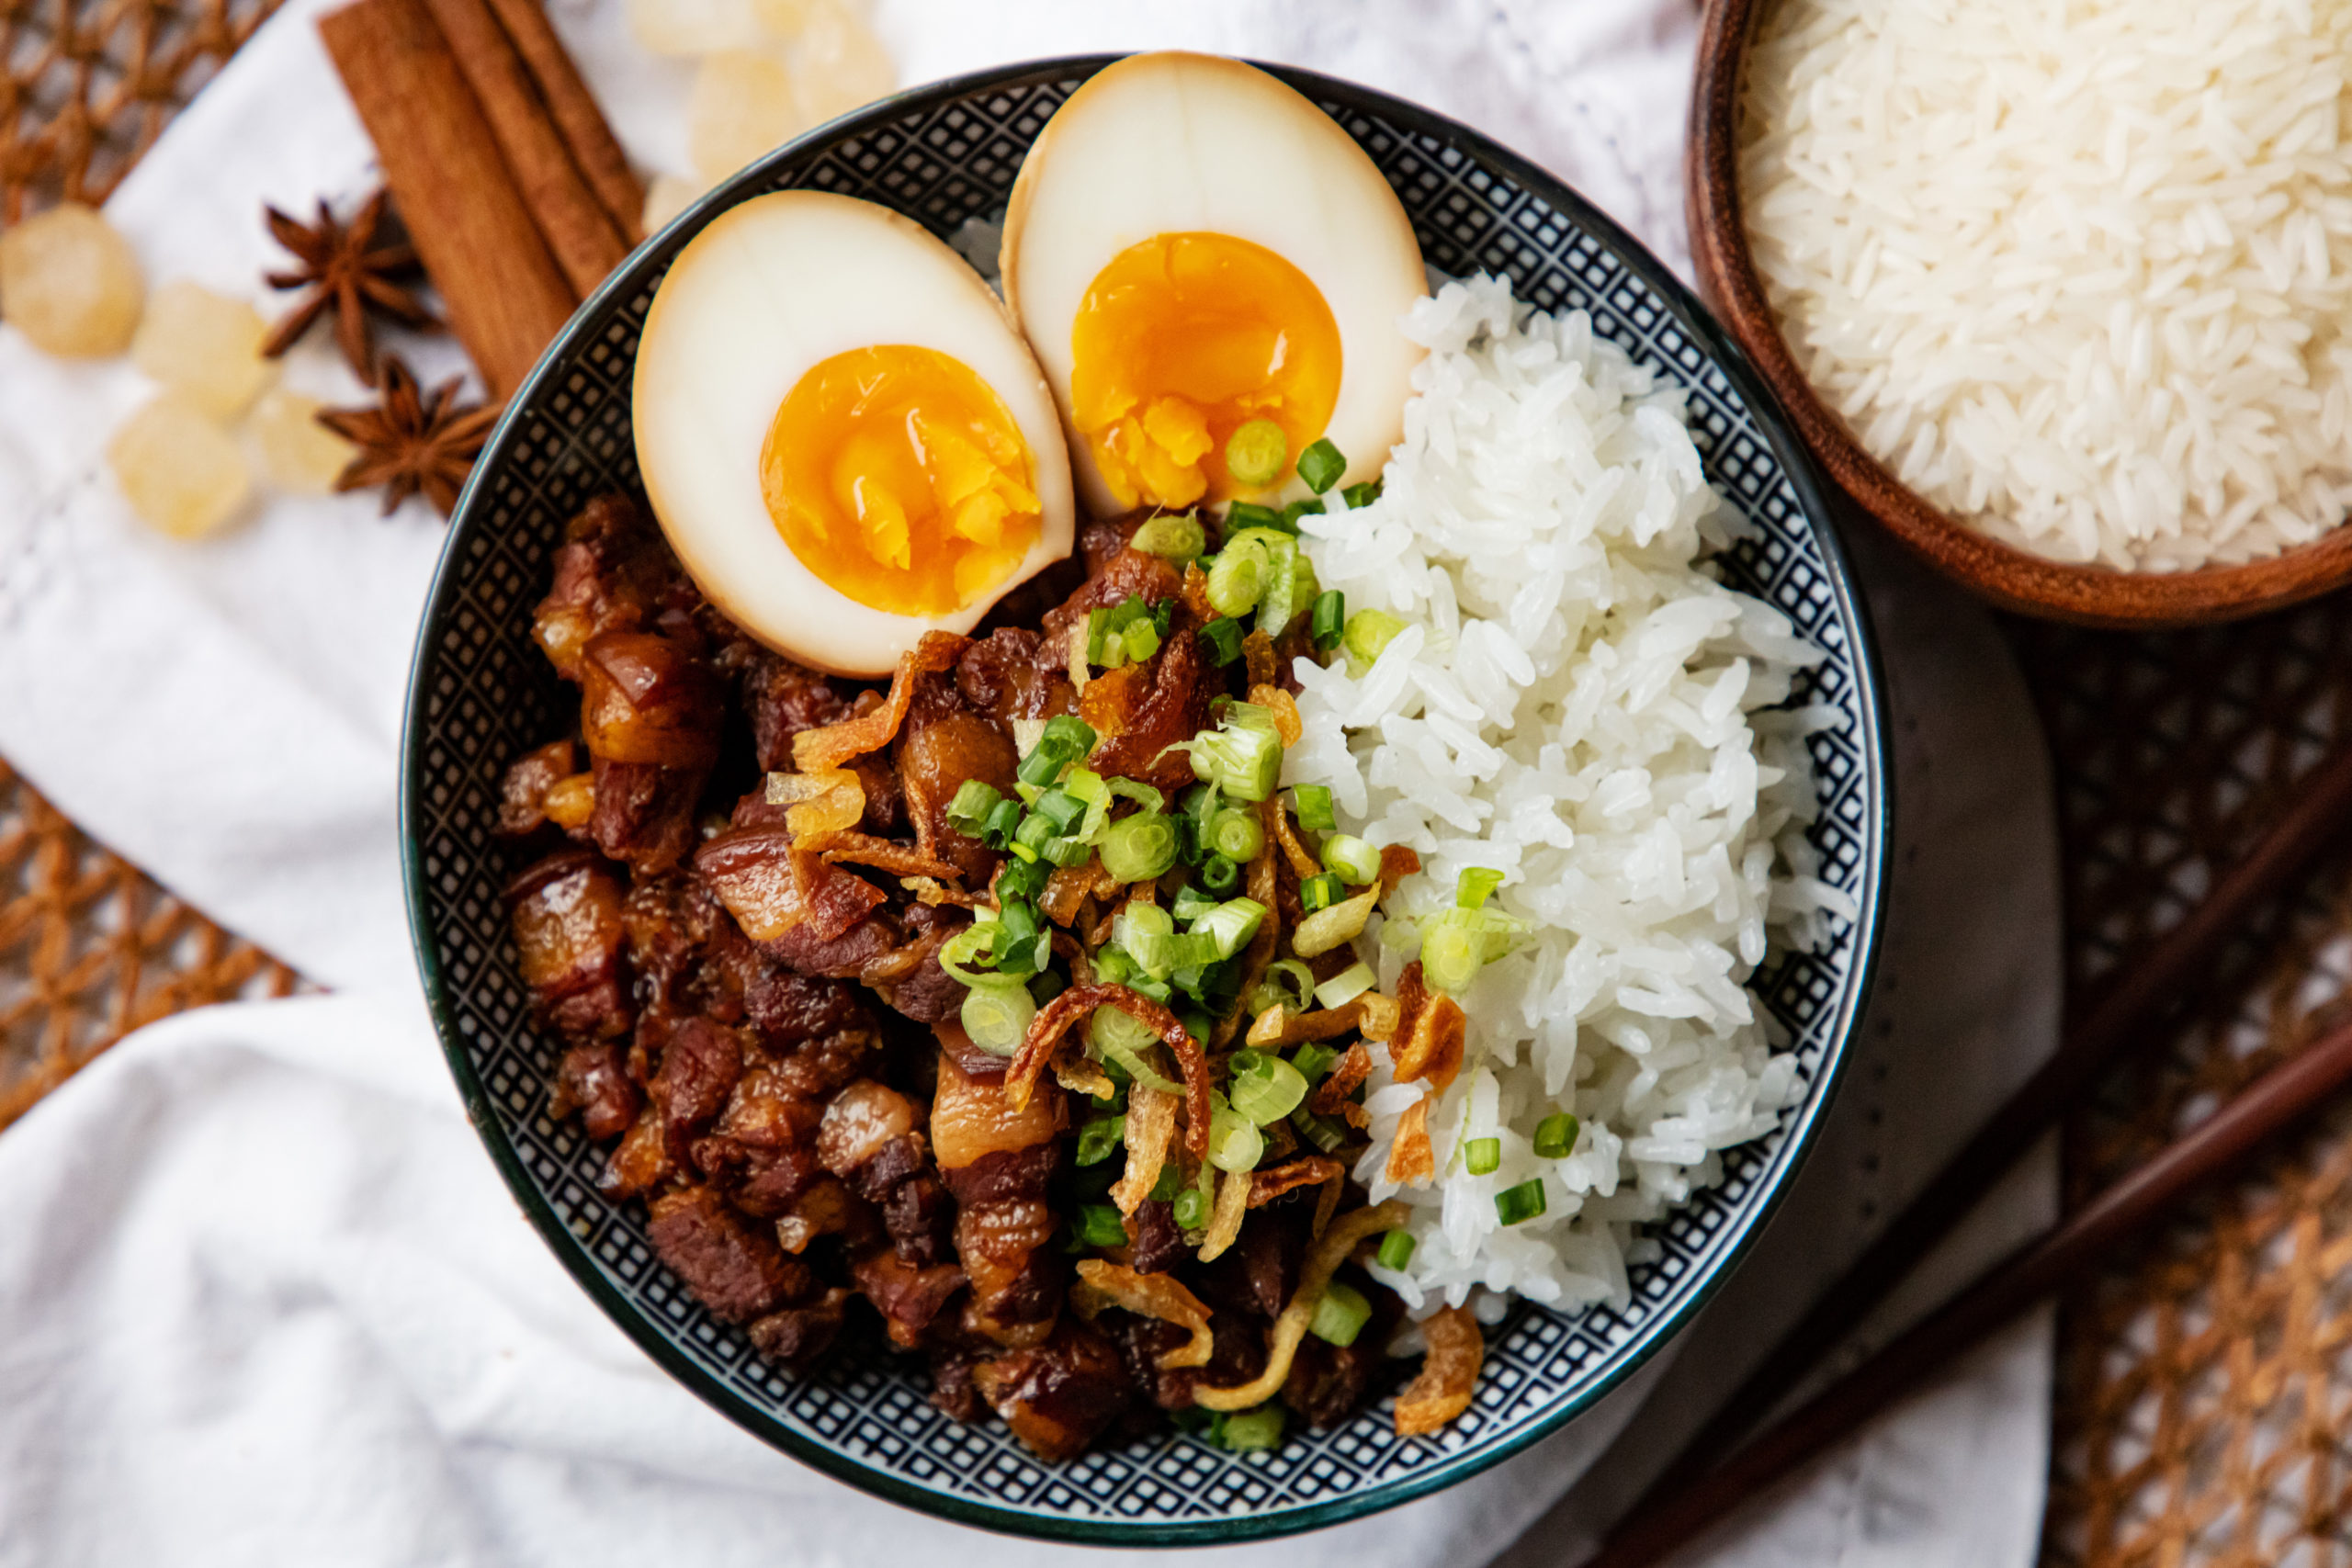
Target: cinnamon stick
point(577, 118)
point(586, 243)
point(505, 297)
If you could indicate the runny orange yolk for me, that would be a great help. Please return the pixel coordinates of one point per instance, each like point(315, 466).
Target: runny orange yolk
point(1181, 341)
point(899, 477)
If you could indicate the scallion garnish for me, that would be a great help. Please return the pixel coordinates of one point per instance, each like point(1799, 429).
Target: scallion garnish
point(1264, 1087)
point(1314, 805)
point(1362, 495)
point(1482, 1156)
point(1099, 1225)
point(1340, 1315)
point(968, 812)
point(1230, 925)
point(1235, 1144)
point(1219, 875)
point(1555, 1135)
point(1320, 465)
point(1320, 892)
point(1329, 622)
point(1254, 455)
point(1237, 580)
point(1251, 1431)
point(1237, 835)
point(1224, 640)
point(1178, 538)
point(1100, 1138)
point(1396, 1250)
point(997, 1014)
point(1346, 986)
point(1522, 1202)
point(1354, 861)
point(1140, 847)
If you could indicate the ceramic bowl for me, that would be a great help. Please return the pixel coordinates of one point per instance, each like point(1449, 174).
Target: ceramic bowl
point(2010, 578)
point(481, 693)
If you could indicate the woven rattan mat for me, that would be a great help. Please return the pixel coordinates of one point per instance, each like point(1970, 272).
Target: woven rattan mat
point(2205, 1378)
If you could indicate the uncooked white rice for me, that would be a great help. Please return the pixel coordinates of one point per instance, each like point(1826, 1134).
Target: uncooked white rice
point(2077, 271)
point(1577, 703)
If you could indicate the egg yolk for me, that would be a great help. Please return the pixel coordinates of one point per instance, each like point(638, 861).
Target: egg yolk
point(1181, 341)
point(899, 477)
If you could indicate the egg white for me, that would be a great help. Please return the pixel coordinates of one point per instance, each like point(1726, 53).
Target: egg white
point(769, 289)
point(1175, 142)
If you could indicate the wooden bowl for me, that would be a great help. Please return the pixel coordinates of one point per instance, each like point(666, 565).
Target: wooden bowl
point(2010, 578)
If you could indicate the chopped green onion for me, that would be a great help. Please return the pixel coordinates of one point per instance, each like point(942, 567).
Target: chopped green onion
point(1146, 932)
point(1251, 1431)
point(1459, 943)
point(1020, 879)
point(1004, 819)
point(1192, 1208)
point(1263, 1087)
point(1035, 832)
point(1142, 641)
point(997, 1016)
point(1298, 509)
point(1099, 1225)
point(1296, 978)
point(976, 944)
point(1172, 539)
point(1138, 848)
point(1482, 1156)
point(1555, 1135)
point(1314, 1059)
point(1230, 925)
point(1340, 1315)
point(1043, 766)
point(1045, 985)
point(1070, 733)
point(1395, 1251)
point(1329, 619)
point(1170, 1180)
point(1356, 861)
point(1219, 875)
point(1324, 1132)
point(1117, 1039)
point(968, 812)
point(1067, 851)
point(1474, 886)
point(1142, 793)
point(1255, 454)
point(1346, 986)
point(1314, 804)
point(1191, 904)
point(1524, 1202)
point(1235, 1144)
point(1101, 1138)
point(1320, 465)
point(1237, 835)
point(1224, 640)
point(1237, 580)
point(1244, 514)
point(1362, 495)
point(1198, 810)
point(1291, 587)
point(1368, 632)
point(1059, 807)
point(1240, 760)
point(1320, 892)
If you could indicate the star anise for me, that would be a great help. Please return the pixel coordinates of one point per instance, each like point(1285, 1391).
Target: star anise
point(410, 440)
point(351, 268)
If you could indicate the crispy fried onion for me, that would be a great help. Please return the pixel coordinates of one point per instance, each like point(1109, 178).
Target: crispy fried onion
point(1287, 727)
point(1276, 816)
point(828, 747)
point(1103, 1283)
point(1066, 890)
point(1255, 958)
point(821, 803)
point(1331, 1095)
point(1291, 1327)
point(899, 860)
point(1073, 1006)
point(1432, 1031)
point(1258, 659)
point(929, 891)
point(1231, 1208)
point(1080, 1075)
point(1413, 1159)
point(1073, 952)
point(1442, 1388)
point(1396, 863)
point(1307, 1170)
point(1278, 1027)
point(1151, 1127)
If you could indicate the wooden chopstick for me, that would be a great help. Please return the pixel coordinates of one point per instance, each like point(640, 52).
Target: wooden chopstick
point(2267, 1106)
point(2133, 1002)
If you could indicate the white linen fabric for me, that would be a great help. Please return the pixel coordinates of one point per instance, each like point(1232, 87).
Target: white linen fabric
point(263, 1301)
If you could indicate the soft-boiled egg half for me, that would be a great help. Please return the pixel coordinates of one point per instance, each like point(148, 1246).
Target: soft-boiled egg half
point(1193, 247)
point(845, 441)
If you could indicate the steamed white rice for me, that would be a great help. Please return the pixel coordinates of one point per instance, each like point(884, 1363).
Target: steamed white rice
point(1576, 703)
point(2077, 271)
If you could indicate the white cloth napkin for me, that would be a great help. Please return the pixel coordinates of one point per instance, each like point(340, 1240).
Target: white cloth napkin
point(264, 1299)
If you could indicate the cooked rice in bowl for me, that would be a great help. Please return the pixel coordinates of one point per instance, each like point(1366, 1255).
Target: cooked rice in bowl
point(1576, 703)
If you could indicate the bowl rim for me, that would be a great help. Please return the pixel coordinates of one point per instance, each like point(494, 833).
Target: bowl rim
point(1105, 1531)
point(2012, 579)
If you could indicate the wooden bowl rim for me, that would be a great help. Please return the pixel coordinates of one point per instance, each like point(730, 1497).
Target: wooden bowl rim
point(2010, 578)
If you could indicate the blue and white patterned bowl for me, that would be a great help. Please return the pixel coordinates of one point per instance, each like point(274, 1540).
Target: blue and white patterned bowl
point(480, 693)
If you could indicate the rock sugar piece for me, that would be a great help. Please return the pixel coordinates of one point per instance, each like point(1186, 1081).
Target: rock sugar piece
point(182, 473)
point(205, 346)
point(740, 106)
point(69, 284)
point(836, 62)
point(695, 26)
point(297, 454)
